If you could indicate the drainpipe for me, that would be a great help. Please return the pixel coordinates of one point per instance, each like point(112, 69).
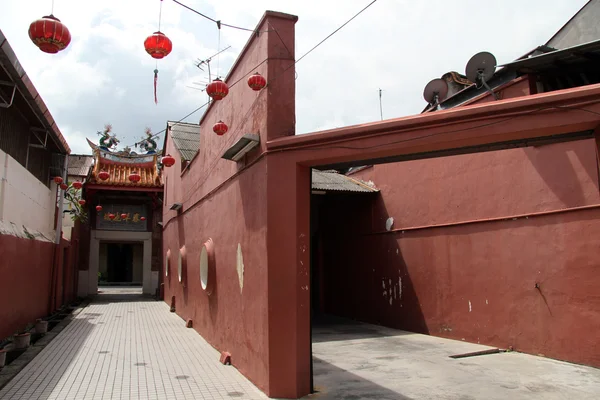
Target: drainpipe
point(58, 237)
point(3, 186)
point(60, 203)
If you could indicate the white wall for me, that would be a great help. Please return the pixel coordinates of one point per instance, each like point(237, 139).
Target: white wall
point(24, 200)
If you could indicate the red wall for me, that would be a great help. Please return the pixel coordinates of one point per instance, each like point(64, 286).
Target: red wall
point(25, 271)
point(227, 201)
point(36, 280)
point(493, 265)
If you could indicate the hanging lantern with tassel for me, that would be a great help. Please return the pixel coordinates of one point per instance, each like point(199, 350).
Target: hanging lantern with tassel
point(217, 89)
point(134, 177)
point(49, 34)
point(158, 45)
point(58, 180)
point(257, 82)
point(103, 175)
point(220, 128)
point(77, 185)
point(168, 161)
point(98, 208)
point(82, 202)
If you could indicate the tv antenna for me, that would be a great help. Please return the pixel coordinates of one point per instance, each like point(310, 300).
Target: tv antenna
point(480, 69)
point(380, 106)
point(435, 91)
point(200, 63)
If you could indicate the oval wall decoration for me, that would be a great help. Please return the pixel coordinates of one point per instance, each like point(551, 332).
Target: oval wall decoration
point(207, 266)
point(181, 263)
point(167, 262)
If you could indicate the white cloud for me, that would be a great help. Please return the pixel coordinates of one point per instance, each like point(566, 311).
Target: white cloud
point(397, 45)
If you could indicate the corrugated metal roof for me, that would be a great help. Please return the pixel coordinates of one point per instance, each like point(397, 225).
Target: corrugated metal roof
point(80, 164)
point(186, 138)
point(331, 180)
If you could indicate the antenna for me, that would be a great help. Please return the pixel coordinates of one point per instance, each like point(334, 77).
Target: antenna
point(480, 69)
point(435, 91)
point(380, 106)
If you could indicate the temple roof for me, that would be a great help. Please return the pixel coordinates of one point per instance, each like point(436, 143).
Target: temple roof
point(120, 166)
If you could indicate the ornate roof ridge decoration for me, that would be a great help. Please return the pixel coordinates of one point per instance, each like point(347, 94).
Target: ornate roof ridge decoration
point(458, 78)
point(120, 165)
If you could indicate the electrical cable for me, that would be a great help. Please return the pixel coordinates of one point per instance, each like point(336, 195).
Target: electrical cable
point(198, 183)
point(216, 21)
point(285, 70)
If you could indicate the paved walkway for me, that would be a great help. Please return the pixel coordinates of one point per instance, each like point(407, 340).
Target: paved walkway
point(124, 346)
point(361, 361)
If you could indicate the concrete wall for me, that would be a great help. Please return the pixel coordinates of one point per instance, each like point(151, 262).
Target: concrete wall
point(26, 273)
point(582, 28)
point(24, 200)
point(475, 281)
point(36, 280)
point(227, 201)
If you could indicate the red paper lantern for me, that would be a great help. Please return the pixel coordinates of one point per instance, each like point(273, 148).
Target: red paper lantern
point(134, 177)
point(82, 202)
point(111, 216)
point(217, 89)
point(77, 185)
point(158, 45)
point(142, 218)
point(220, 128)
point(64, 186)
point(58, 180)
point(103, 175)
point(123, 216)
point(257, 82)
point(98, 208)
point(49, 34)
point(168, 161)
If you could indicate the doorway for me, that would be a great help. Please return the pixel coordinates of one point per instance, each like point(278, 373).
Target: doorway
point(119, 262)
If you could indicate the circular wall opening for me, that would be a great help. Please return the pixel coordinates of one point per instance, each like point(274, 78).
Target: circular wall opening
point(181, 263)
point(207, 267)
point(204, 268)
point(167, 262)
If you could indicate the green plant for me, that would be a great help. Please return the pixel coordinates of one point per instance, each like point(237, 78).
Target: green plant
point(76, 210)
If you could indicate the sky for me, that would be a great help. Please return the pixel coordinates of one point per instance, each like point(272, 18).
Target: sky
point(105, 75)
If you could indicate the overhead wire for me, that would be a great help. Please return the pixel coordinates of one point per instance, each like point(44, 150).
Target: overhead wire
point(198, 183)
point(218, 22)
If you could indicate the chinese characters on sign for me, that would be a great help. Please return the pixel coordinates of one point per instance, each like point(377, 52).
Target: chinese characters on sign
point(126, 218)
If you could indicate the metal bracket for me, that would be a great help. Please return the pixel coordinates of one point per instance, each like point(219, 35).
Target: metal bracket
point(42, 142)
point(5, 103)
point(481, 79)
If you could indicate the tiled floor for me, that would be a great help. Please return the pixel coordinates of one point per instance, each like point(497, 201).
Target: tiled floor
point(124, 346)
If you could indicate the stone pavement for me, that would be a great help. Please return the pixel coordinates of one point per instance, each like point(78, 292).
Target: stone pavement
point(125, 346)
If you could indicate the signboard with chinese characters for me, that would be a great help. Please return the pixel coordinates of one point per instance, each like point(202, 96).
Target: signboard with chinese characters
point(127, 217)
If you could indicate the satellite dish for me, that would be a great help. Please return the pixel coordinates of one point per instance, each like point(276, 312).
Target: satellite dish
point(435, 91)
point(480, 69)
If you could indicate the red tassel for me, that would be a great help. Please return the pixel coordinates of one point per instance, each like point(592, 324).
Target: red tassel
point(155, 80)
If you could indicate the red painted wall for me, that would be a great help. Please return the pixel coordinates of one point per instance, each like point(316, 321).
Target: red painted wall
point(476, 282)
point(227, 201)
point(25, 271)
